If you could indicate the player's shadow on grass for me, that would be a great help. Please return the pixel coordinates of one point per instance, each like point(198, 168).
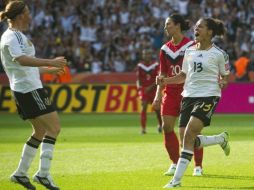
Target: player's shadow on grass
point(225, 177)
point(224, 188)
point(229, 177)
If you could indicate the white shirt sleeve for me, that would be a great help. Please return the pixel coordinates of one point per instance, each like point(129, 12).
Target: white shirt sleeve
point(15, 46)
point(223, 64)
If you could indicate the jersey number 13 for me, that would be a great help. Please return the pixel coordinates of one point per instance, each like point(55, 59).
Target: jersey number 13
point(198, 67)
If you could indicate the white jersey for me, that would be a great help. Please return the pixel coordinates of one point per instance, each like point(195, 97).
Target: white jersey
point(22, 78)
point(203, 69)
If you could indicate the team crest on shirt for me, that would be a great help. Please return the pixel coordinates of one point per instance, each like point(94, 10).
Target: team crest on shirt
point(47, 101)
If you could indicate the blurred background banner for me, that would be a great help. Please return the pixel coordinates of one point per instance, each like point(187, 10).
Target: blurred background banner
point(82, 98)
point(237, 98)
point(123, 98)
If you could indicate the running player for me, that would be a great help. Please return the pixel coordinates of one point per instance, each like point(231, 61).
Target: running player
point(205, 71)
point(171, 57)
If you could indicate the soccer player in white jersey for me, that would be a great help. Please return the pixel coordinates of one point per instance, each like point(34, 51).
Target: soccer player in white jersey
point(204, 71)
point(32, 101)
point(169, 97)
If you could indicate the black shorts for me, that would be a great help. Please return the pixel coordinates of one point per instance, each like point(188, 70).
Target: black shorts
point(202, 108)
point(33, 104)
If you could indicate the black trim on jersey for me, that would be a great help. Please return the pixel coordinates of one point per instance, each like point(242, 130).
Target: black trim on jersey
point(19, 37)
point(224, 53)
point(218, 48)
point(172, 61)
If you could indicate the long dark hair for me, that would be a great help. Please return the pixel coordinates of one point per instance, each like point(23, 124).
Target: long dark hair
point(12, 10)
point(178, 19)
point(216, 26)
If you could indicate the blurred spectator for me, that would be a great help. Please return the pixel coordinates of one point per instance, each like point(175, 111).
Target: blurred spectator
point(241, 66)
point(96, 65)
point(116, 30)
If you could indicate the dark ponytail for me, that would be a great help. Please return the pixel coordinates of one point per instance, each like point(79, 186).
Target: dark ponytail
point(2, 16)
point(216, 26)
point(12, 10)
point(178, 19)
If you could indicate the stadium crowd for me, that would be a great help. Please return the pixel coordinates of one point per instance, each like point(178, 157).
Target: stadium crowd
point(109, 35)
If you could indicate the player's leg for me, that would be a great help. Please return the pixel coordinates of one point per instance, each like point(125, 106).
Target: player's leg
point(170, 111)
point(143, 116)
point(158, 115)
point(170, 141)
point(193, 128)
point(208, 107)
point(27, 108)
point(50, 122)
point(221, 139)
point(29, 151)
point(198, 159)
point(198, 154)
point(202, 111)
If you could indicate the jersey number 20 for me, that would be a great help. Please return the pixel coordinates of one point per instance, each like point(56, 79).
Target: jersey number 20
point(176, 69)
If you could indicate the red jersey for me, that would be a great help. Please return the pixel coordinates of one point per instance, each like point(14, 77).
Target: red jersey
point(147, 73)
point(171, 59)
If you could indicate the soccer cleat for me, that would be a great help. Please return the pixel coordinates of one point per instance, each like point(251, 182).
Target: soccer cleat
point(46, 182)
point(171, 170)
point(172, 184)
point(225, 145)
point(198, 171)
point(143, 132)
point(23, 180)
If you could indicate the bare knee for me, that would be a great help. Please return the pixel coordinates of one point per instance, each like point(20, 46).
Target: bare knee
point(189, 137)
point(38, 133)
point(167, 127)
point(53, 131)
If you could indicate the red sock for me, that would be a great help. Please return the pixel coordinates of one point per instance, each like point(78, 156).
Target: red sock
point(198, 156)
point(172, 145)
point(143, 119)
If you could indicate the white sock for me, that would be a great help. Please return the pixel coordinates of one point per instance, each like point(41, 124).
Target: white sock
point(210, 140)
point(27, 157)
point(182, 164)
point(46, 156)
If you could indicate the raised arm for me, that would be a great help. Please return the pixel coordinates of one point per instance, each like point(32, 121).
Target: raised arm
point(25, 60)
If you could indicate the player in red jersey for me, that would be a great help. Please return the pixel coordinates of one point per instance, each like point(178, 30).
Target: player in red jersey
point(171, 57)
point(147, 70)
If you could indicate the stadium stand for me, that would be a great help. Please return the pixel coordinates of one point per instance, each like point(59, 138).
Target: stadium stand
point(107, 36)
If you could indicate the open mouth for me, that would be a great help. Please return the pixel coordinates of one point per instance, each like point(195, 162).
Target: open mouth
point(196, 34)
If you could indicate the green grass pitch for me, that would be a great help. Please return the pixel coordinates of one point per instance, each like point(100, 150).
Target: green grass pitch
point(106, 152)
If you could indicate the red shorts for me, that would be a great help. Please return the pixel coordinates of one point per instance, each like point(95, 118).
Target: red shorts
point(171, 102)
point(147, 97)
